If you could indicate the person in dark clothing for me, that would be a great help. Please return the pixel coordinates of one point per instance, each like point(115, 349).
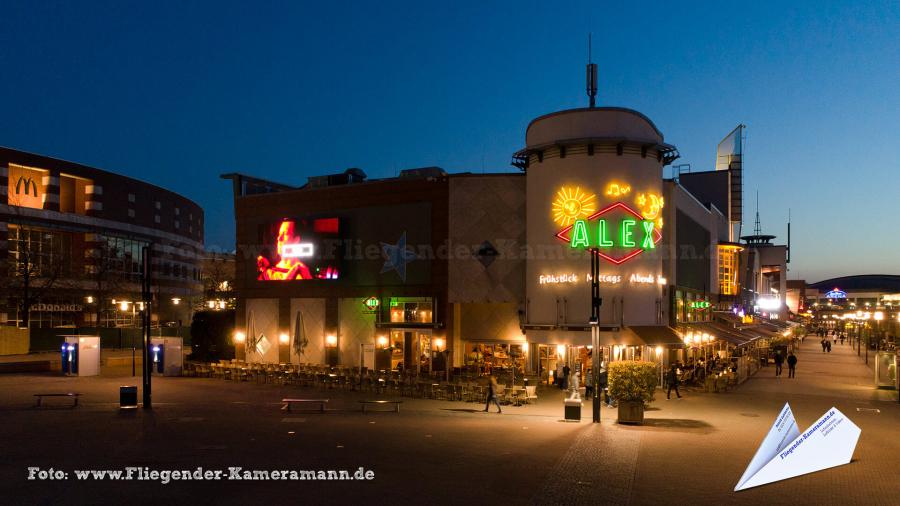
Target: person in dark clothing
point(565, 379)
point(779, 360)
point(492, 396)
point(672, 382)
point(824, 345)
point(842, 338)
point(603, 380)
point(828, 346)
point(792, 365)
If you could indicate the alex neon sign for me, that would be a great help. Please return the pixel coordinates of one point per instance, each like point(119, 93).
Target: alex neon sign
point(617, 233)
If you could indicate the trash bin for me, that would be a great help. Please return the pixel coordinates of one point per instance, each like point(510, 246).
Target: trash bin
point(128, 397)
point(573, 409)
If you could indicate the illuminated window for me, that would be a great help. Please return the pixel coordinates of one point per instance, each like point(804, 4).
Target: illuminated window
point(728, 269)
point(39, 253)
point(411, 310)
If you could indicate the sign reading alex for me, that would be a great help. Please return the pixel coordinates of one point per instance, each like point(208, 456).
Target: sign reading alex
point(617, 232)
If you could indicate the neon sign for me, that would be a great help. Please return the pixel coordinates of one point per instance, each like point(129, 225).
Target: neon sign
point(294, 254)
point(700, 304)
point(571, 204)
point(836, 294)
point(609, 279)
point(372, 303)
point(617, 233)
point(617, 190)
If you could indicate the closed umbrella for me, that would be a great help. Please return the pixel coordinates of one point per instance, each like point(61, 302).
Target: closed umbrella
point(300, 340)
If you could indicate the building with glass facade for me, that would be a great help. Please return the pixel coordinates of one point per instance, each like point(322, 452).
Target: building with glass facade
point(72, 239)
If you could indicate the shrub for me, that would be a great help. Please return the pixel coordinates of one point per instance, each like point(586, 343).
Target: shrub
point(631, 380)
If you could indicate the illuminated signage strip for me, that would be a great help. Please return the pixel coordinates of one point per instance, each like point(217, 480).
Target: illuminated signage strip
point(609, 279)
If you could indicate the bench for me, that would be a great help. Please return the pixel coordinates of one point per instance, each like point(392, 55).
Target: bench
point(288, 402)
point(72, 395)
point(381, 403)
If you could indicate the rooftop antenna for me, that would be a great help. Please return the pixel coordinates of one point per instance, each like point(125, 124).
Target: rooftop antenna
point(788, 260)
point(591, 76)
point(757, 229)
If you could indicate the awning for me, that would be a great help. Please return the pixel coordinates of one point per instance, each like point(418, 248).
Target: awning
point(733, 335)
point(722, 332)
point(657, 335)
point(581, 338)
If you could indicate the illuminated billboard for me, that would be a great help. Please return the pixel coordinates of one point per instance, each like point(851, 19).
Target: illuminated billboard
point(298, 249)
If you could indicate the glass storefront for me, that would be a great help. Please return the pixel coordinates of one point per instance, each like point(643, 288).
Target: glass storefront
point(490, 358)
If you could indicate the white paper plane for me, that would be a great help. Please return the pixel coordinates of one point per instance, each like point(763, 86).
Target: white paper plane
point(785, 452)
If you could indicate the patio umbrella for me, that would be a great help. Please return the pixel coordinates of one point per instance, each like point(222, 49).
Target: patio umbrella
point(300, 340)
point(251, 334)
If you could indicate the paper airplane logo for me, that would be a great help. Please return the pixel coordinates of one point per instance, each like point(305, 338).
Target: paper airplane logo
point(786, 453)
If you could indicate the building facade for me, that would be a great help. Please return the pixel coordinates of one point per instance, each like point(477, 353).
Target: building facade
point(72, 239)
point(484, 271)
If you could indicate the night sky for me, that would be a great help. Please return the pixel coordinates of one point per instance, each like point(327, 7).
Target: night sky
point(178, 94)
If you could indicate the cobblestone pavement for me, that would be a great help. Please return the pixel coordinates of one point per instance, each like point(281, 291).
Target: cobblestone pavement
point(438, 452)
point(597, 469)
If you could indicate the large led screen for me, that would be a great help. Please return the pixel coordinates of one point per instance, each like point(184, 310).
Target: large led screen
point(299, 249)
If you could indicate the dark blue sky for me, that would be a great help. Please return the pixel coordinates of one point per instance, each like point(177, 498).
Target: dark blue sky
point(177, 95)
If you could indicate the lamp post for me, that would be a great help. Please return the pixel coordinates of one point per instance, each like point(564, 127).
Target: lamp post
point(596, 301)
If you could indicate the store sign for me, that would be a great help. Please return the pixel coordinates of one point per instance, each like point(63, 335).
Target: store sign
point(58, 308)
point(700, 304)
point(605, 279)
point(836, 294)
point(617, 233)
point(293, 250)
point(372, 303)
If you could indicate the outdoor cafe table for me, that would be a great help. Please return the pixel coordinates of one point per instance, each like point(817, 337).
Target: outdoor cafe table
point(514, 396)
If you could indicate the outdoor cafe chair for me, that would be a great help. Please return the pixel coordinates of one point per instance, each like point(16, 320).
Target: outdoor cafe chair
point(530, 393)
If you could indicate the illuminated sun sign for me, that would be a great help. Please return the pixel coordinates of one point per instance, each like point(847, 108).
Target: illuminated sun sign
point(572, 203)
point(616, 232)
point(296, 254)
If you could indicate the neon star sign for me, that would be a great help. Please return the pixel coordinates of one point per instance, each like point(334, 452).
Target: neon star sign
point(617, 233)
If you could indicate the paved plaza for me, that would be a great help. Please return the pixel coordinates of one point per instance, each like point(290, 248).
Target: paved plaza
point(438, 452)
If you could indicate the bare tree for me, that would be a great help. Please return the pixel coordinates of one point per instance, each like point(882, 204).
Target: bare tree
point(37, 261)
point(104, 275)
point(218, 278)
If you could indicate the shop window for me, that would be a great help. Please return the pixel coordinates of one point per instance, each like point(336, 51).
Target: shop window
point(411, 310)
point(495, 358)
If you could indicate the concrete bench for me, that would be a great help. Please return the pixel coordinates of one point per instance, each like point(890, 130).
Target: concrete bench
point(381, 403)
point(72, 395)
point(288, 402)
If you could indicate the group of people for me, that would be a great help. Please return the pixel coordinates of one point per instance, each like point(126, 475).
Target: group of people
point(791, 362)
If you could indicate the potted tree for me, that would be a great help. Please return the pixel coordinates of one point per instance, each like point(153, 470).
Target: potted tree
point(632, 384)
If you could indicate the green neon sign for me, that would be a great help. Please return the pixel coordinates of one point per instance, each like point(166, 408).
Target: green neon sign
point(581, 238)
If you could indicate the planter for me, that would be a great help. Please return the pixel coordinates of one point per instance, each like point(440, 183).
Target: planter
point(631, 412)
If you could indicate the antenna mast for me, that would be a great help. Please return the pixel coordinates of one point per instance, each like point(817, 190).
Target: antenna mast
point(591, 76)
point(757, 229)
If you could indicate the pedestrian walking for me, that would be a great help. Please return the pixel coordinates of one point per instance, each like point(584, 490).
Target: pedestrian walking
point(603, 382)
point(824, 345)
point(842, 338)
point(492, 395)
point(828, 346)
point(672, 382)
point(779, 360)
point(792, 365)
